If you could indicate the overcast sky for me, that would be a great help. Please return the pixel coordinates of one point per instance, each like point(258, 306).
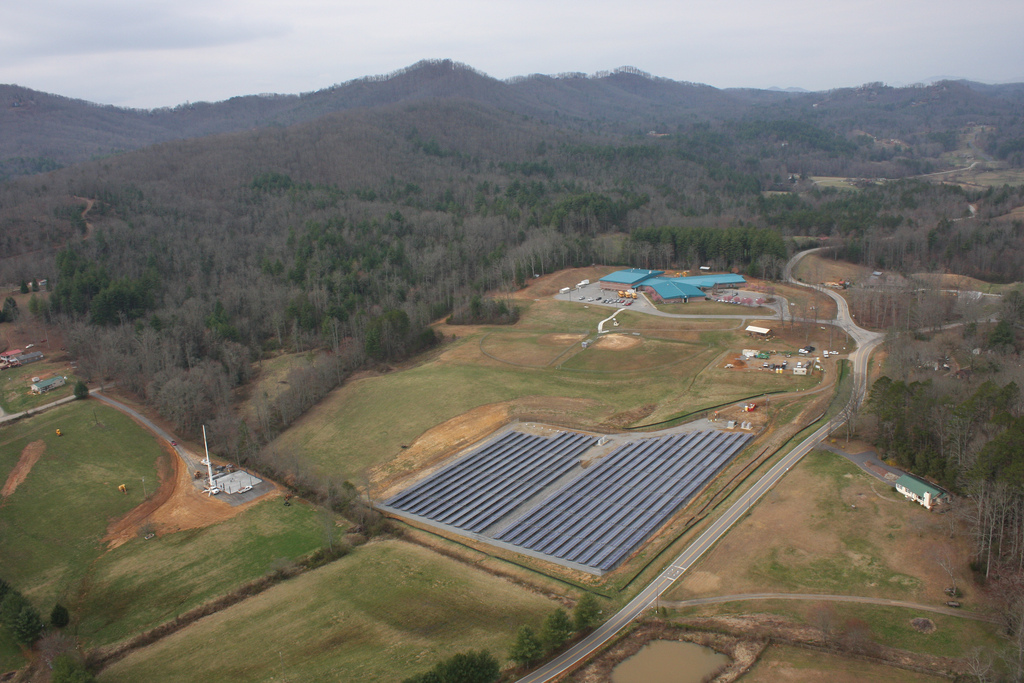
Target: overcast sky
point(152, 53)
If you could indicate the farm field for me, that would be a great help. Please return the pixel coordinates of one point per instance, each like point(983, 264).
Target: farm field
point(385, 612)
point(787, 664)
point(830, 528)
point(593, 390)
point(60, 549)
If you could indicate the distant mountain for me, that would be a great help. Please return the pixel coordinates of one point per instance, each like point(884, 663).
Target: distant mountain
point(40, 131)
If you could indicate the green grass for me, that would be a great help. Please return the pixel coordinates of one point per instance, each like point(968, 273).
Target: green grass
point(714, 308)
point(650, 355)
point(15, 394)
point(51, 528)
point(385, 612)
point(10, 654)
point(147, 582)
point(364, 423)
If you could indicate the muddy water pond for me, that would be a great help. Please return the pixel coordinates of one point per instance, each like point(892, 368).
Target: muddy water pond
point(669, 661)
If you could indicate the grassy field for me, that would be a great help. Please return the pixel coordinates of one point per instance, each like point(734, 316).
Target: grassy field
point(385, 612)
point(796, 665)
point(701, 307)
point(15, 394)
point(52, 525)
point(837, 182)
point(830, 528)
point(147, 582)
point(53, 522)
point(365, 423)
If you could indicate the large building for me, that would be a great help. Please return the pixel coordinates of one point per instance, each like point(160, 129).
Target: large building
point(668, 289)
point(627, 279)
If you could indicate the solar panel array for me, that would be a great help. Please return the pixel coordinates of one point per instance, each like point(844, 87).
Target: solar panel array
point(602, 516)
point(493, 480)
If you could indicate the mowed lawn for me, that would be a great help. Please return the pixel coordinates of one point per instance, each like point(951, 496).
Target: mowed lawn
point(385, 612)
point(365, 423)
point(51, 526)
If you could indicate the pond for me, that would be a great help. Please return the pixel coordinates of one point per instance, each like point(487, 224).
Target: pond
point(669, 661)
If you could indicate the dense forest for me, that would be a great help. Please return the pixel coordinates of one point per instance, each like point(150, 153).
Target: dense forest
point(346, 221)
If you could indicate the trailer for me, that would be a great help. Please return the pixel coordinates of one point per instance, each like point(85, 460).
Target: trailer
point(564, 290)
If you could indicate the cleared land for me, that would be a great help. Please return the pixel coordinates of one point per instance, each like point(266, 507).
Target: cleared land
point(786, 664)
point(384, 612)
point(59, 552)
point(593, 389)
point(830, 528)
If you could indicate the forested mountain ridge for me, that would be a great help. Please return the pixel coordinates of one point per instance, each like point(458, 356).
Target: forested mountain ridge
point(40, 131)
point(353, 230)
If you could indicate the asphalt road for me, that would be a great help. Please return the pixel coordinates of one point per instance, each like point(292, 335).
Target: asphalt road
point(866, 342)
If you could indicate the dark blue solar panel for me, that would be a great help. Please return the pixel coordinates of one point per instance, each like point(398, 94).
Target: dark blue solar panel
point(489, 483)
point(602, 516)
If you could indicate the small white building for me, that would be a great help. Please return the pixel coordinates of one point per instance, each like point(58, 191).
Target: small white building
point(924, 493)
point(42, 386)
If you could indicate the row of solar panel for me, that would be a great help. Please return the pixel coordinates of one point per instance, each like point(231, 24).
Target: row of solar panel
point(489, 483)
point(601, 517)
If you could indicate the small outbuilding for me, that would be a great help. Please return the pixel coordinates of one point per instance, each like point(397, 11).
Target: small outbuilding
point(759, 332)
point(924, 493)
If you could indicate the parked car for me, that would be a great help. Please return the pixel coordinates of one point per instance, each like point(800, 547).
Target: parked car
point(952, 603)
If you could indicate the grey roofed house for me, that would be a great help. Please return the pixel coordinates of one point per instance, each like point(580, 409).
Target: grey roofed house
point(26, 358)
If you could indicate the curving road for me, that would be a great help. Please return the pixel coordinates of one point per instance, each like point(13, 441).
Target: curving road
point(866, 343)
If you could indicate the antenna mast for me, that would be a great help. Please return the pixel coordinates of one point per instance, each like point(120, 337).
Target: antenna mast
point(209, 466)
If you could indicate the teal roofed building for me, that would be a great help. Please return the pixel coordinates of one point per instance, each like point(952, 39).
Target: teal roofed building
point(924, 493)
point(622, 279)
point(671, 289)
point(709, 281)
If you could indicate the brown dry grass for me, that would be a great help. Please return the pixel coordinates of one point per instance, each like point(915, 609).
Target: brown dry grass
point(29, 456)
point(617, 342)
point(549, 285)
point(787, 664)
point(803, 529)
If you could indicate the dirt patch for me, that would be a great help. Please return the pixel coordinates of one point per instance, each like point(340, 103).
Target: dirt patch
point(441, 442)
point(617, 342)
point(29, 456)
point(923, 625)
point(560, 339)
point(438, 444)
point(177, 505)
point(549, 285)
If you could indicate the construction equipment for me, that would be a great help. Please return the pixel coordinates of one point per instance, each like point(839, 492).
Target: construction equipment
point(123, 489)
point(58, 433)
